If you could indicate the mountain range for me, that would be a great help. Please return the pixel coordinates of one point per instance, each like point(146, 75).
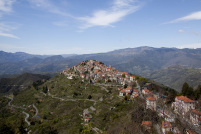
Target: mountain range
point(153, 63)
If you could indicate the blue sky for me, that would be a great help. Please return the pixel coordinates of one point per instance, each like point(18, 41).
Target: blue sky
point(92, 26)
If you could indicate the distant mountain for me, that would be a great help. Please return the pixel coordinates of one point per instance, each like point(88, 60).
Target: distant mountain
point(18, 56)
point(37, 65)
point(175, 76)
point(144, 60)
point(19, 82)
point(68, 55)
point(141, 61)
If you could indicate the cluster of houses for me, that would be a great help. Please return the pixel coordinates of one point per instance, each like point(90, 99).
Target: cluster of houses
point(182, 106)
point(129, 91)
point(96, 71)
point(185, 106)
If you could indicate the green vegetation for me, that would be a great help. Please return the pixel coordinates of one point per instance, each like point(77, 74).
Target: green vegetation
point(190, 92)
point(61, 109)
point(123, 75)
point(141, 80)
point(22, 81)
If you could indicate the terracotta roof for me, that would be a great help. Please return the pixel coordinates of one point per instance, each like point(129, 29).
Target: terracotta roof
point(135, 90)
point(122, 91)
point(151, 98)
point(129, 88)
point(86, 117)
point(185, 99)
point(147, 123)
point(148, 84)
point(166, 124)
point(196, 112)
point(190, 131)
point(146, 90)
point(136, 95)
point(128, 91)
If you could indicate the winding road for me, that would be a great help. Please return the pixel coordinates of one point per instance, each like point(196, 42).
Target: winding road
point(36, 111)
point(71, 99)
point(26, 118)
point(9, 103)
point(27, 115)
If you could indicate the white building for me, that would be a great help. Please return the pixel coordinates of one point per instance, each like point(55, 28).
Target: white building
point(166, 127)
point(151, 103)
point(182, 105)
point(195, 117)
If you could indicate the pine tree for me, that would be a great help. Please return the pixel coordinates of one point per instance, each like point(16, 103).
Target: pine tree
point(185, 88)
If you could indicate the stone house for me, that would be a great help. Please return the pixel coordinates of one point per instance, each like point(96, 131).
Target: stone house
point(132, 78)
point(151, 103)
point(86, 119)
point(128, 92)
point(147, 125)
point(145, 91)
point(182, 105)
point(122, 93)
point(195, 117)
point(166, 127)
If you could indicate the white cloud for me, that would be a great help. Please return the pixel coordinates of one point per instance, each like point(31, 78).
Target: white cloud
point(6, 5)
point(48, 6)
point(119, 9)
point(181, 31)
point(192, 16)
point(9, 35)
point(4, 29)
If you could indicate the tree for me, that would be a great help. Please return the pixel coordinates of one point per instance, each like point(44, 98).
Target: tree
point(4, 129)
point(89, 97)
point(22, 127)
point(45, 89)
point(197, 92)
point(126, 98)
point(185, 88)
point(125, 86)
point(15, 92)
point(123, 75)
point(137, 77)
point(190, 92)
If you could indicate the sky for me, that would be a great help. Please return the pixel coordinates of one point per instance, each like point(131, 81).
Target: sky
point(94, 26)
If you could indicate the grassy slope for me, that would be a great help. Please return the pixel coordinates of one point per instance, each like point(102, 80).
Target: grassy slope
point(112, 115)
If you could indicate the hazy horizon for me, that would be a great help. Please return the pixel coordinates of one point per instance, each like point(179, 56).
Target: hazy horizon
point(94, 52)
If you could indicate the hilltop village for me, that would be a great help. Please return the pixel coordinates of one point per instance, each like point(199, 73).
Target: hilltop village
point(182, 108)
